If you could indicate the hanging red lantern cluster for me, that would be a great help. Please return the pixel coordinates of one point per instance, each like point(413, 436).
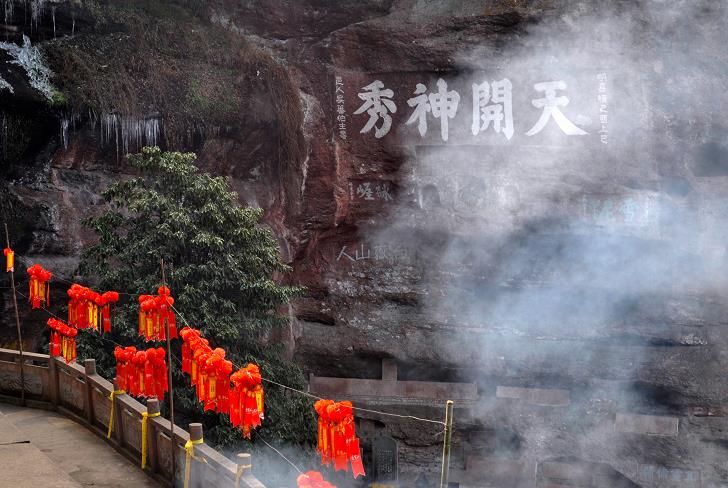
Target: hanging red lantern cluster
point(312, 479)
point(246, 399)
point(216, 381)
point(208, 369)
point(39, 286)
point(9, 259)
point(153, 311)
point(124, 368)
point(141, 373)
point(63, 340)
point(90, 309)
point(337, 441)
point(195, 352)
point(190, 342)
point(210, 375)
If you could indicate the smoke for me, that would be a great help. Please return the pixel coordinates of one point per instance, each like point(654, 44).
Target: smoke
point(569, 262)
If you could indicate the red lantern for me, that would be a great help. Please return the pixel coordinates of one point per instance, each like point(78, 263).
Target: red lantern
point(9, 259)
point(189, 337)
point(89, 309)
point(138, 361)
point(161, 384)
point(200, 357)
point(63, 340)
point(246, 399)
point(124, 367)
point(212, 367)
point(312, 479)
point(196, 352)
point(106, 301)
point(223, 387)
point(153, 311)
point(39, 286)
point(337, 441)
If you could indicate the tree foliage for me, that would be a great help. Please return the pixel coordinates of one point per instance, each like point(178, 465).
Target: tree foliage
point(221, 266)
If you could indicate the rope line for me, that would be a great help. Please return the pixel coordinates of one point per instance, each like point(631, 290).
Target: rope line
point(311, 395)
point(18, 257)
point(412, 417)
point(59, 318)
point(75, 282)
point(279, 453)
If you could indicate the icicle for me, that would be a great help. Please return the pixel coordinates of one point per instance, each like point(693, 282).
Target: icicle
point(8, 6)
point(133, 131)
point(53, 11)
point(4, 137)
point(109, 123)
point(36, 10)
point(64, 132)
point(73, 26)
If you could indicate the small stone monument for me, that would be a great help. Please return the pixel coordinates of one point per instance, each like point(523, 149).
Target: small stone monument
point(384, 457)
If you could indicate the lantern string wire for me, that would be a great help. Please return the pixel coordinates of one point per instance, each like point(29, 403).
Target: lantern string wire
point(258, 436)
point(76, 283)
point(300, 392)
point(59, 318)
point(305, 393)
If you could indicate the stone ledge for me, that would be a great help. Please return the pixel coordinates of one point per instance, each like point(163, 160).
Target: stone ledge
point(535, 396)
point(646, 424)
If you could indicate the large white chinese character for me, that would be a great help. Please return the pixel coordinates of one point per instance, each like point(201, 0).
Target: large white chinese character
point(422, 105)
point(443, 105)
point(550, 104)
point(378, 104)
point(499, 112)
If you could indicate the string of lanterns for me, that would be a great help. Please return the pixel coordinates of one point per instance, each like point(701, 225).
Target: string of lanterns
point(144, 373)
point(337, 440)
point(210, 374)
point(141, 373)
point(90, 309)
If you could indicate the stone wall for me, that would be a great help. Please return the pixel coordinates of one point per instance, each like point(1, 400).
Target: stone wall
point(577, 280)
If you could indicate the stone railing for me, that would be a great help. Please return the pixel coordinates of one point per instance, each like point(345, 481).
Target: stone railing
point(79, 393)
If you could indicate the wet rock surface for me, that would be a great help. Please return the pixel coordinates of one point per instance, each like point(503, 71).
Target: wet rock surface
point(555, 263)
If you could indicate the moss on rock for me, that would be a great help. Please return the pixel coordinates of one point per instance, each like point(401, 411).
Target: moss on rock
point(161, 57)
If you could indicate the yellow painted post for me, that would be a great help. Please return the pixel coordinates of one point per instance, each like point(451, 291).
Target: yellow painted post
point(244, 465)
point(445, 473)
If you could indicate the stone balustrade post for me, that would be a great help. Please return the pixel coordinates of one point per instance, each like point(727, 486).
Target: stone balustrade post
point(89, 366)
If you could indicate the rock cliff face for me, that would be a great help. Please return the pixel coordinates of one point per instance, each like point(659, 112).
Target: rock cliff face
point(444, 204)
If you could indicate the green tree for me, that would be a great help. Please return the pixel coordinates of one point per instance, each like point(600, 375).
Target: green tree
point(221, 266)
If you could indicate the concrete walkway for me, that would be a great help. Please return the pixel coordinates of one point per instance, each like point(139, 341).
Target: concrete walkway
point(39, 448)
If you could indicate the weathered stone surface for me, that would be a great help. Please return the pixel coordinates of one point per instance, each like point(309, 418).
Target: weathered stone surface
point(647, 424)
point(525, 268)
